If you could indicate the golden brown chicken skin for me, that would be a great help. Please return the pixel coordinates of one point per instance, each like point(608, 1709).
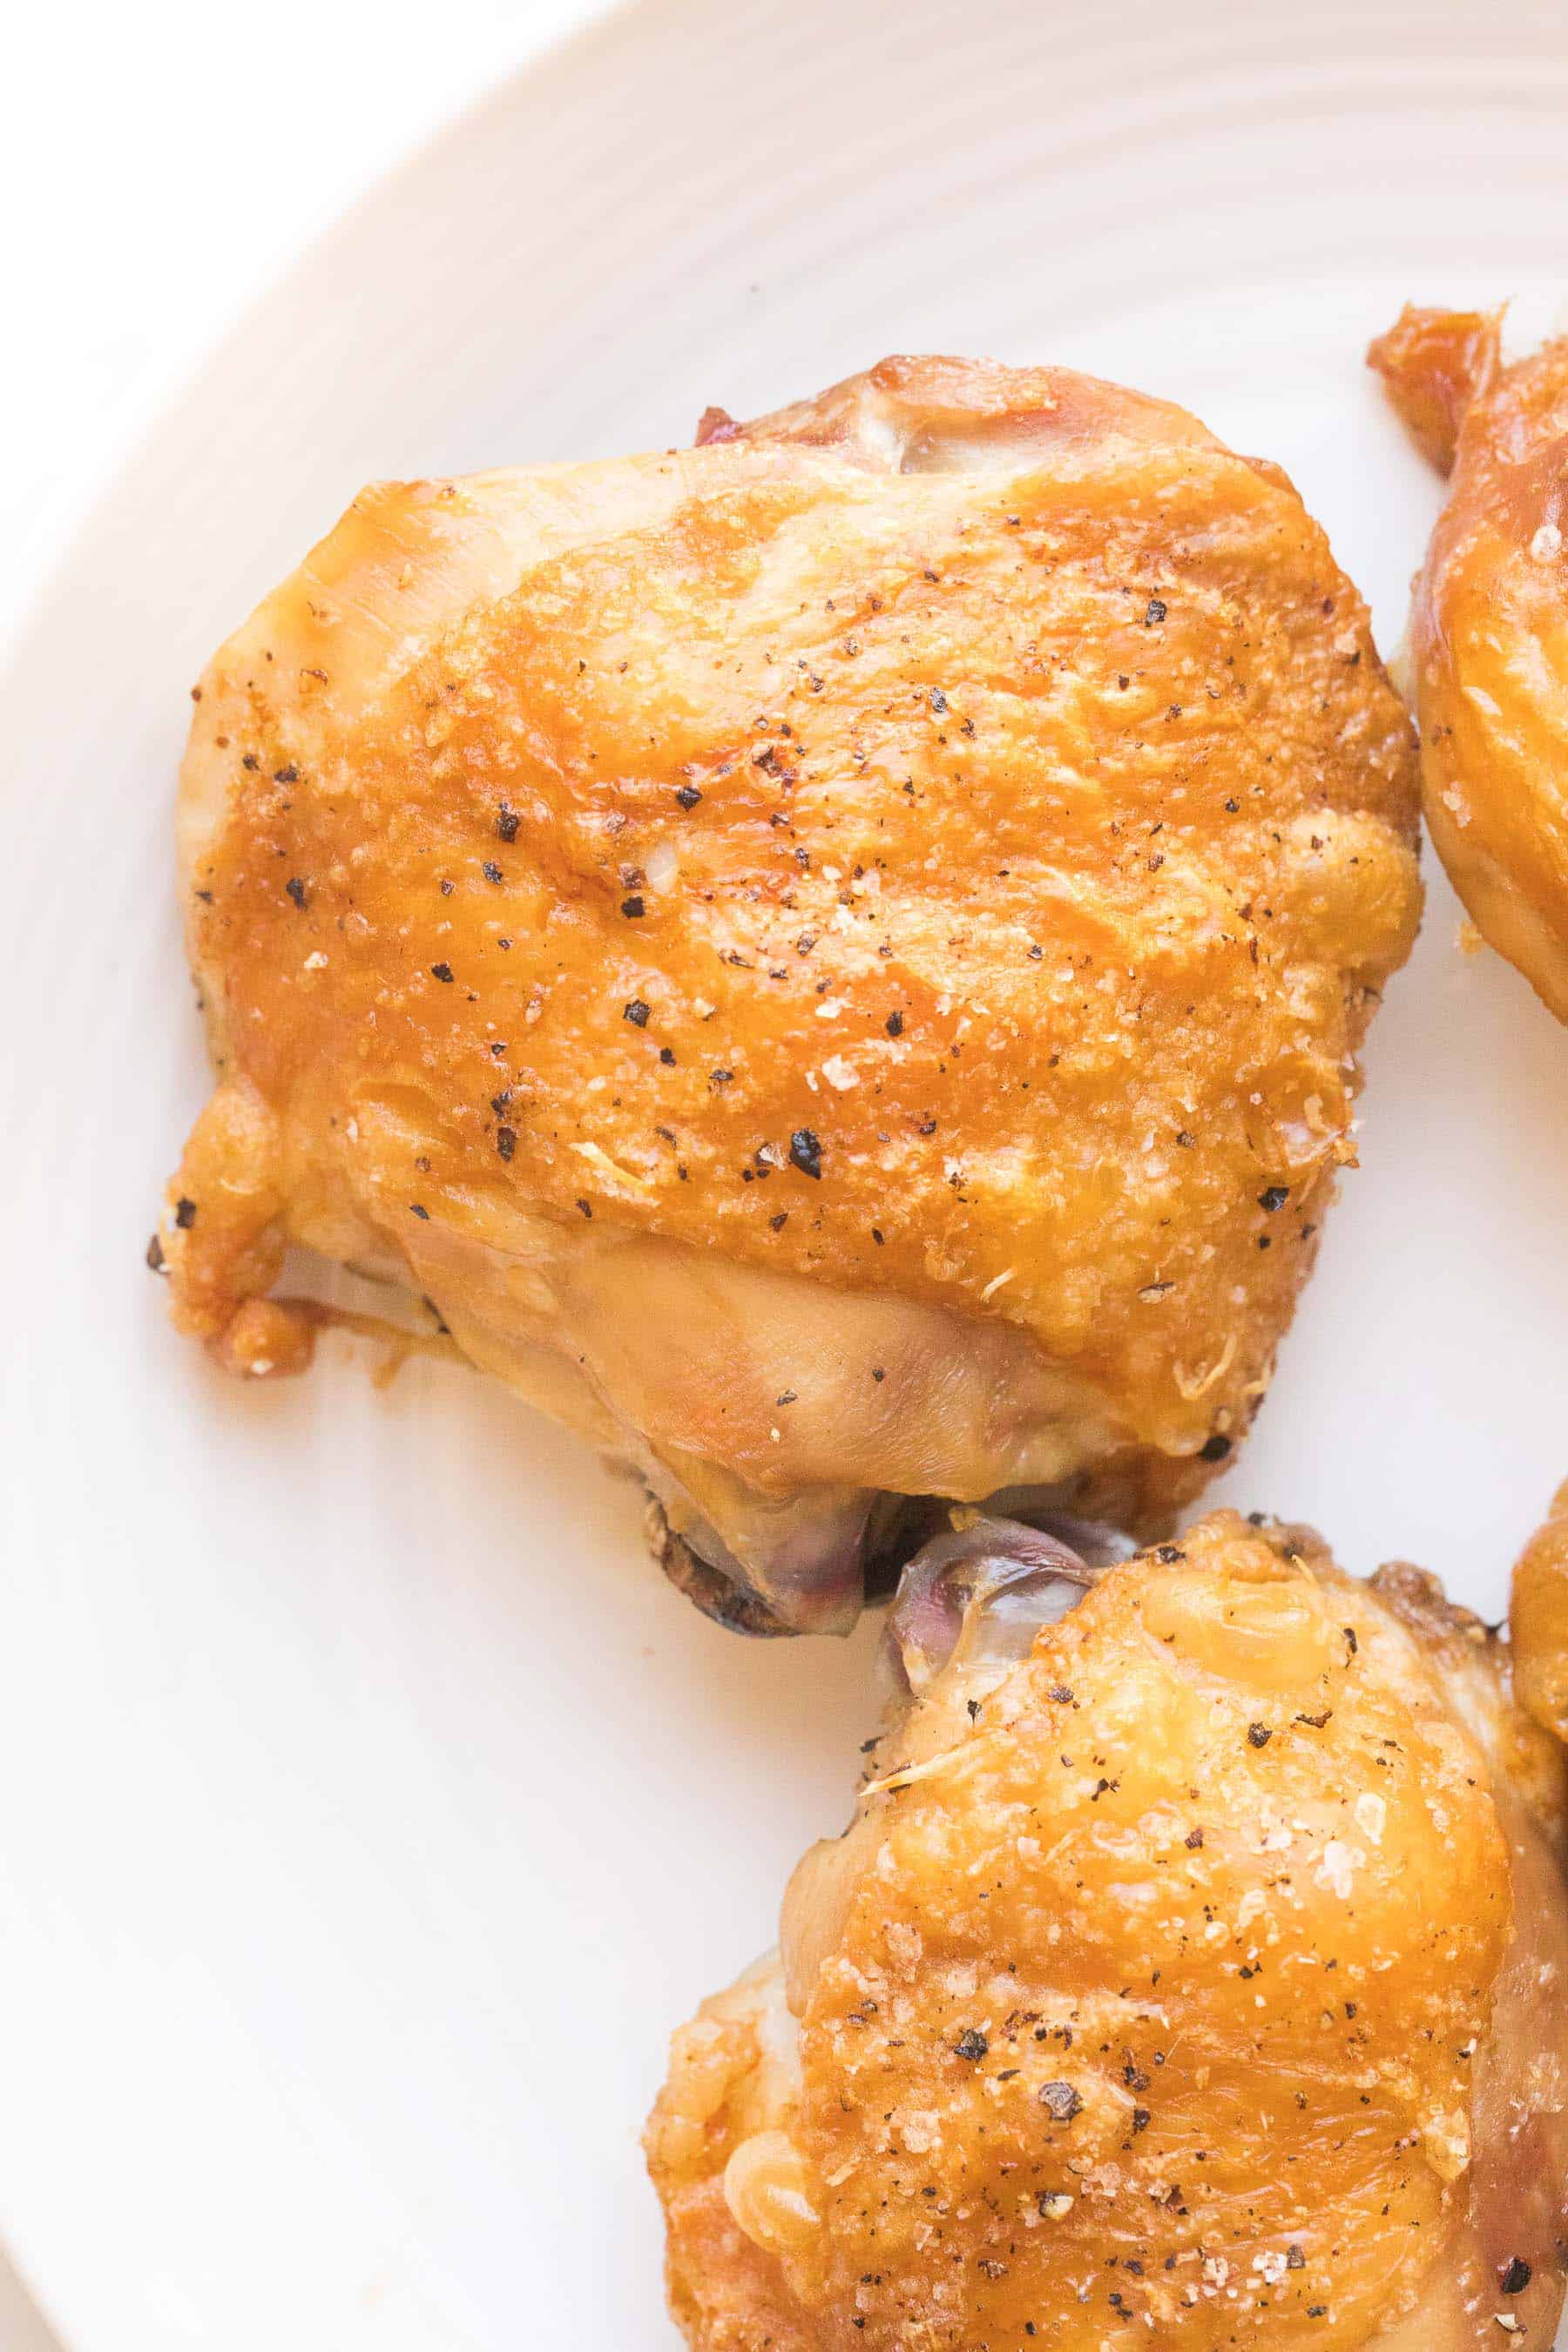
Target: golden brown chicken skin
point(1200, 1979)
point(834, 959)
point(1489, 628)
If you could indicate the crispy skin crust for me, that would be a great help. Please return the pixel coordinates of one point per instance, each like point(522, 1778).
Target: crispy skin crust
point(1490, 642)
point(1205, 1922)
point(1434, 363)
point(1054, 836)
point(1538, 1619)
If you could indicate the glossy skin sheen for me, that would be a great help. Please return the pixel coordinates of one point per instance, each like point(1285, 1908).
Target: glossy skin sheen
point(835, 959)
point(1490, 635)
point(1200, 1981)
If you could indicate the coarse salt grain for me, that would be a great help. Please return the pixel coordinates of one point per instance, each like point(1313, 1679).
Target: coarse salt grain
point(1337, 1869)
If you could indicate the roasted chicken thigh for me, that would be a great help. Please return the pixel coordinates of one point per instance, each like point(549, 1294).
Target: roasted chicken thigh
point(1489, 627)
point(1194, 1972)
point(833, 960)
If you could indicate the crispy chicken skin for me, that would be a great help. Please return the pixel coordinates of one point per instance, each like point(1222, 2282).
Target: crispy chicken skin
point(834, 959)
point(1489, 628)
point(1199, 1980)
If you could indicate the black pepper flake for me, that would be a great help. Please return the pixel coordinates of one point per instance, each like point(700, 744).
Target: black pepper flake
point(780, 1221)
point(1062, 1693)
point(938, 700)
point(492, 872)
point(507, 822)
point(1155, 614)
point(1061, 2101)
point(184, 1214)
point(895, 1024)
point(505, 1141)
point(295, 890)
point(1514, 2275)
point(1195, 1839)
point(447, 888)
point(1274, 1198)
point(636, 1012)
point(418, 1208)
point(155, 1258)
point(632, 908)
point(250, 759)
point(970, 2044)
point(667, 1056)
point(1141, 2119)
point(1295, 2260)
point(443, 972)
point(1349, 1632)
point(1258, 1735)
point(688, 796)
point(806, 1152)
point(1215, 1448)
point(585, 1208)
point(286, 775)
point(877, 1373)
point(1169, 1554)
point(721, 1077)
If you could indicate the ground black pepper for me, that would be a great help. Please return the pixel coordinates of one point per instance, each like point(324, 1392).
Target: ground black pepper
point(806, 1152)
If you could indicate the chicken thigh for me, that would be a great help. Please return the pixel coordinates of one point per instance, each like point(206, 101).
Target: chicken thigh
point(1489, 627)
point(1194, 1972)
point(832, 960)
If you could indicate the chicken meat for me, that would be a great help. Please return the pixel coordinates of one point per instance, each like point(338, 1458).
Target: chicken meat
point(1194, 1972)
point(1489, 627)
point(832, 960)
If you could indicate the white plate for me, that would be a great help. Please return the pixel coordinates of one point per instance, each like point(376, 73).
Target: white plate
point(370, 1810)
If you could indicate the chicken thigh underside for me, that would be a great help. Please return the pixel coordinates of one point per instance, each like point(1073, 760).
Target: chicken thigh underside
point(833, 959)
point(1194, 1972)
